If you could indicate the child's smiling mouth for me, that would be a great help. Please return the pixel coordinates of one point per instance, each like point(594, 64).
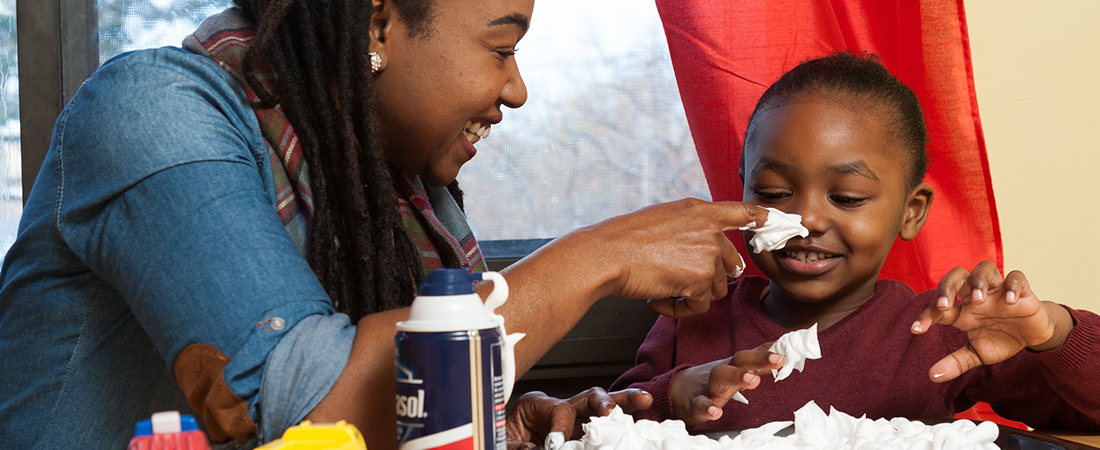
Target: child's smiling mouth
point(803, 262)
point(806, 257)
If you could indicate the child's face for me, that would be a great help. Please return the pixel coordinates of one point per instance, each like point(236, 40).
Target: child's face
point(846, 174)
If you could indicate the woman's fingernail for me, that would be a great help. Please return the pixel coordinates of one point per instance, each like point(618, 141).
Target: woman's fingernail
point(714, 411)
point(775, 358)
point(916, 326)
point(938, 375)
point(1010, 297)
point(942, 304)
point(749, 378)
point(977, 295)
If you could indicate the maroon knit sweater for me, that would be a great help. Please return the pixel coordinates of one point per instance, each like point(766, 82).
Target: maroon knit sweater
point(871, 364)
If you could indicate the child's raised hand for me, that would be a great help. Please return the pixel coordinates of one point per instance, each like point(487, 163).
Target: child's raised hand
point(1000, 318)
point(699, 393)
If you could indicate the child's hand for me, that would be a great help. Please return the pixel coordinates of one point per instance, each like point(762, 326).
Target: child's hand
point(1000, 317)
point(699, 393)
point(536, 414)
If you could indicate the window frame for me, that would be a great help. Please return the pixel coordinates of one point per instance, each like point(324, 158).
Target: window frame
point(62, 36)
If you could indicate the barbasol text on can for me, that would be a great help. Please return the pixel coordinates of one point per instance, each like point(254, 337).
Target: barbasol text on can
point(455, 367)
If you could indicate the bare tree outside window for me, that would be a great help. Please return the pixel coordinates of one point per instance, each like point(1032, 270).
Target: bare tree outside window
point(11, 172)
point(603, 131)
point(126, 25)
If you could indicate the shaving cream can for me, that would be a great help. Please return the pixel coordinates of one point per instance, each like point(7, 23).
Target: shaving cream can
point(454, 370)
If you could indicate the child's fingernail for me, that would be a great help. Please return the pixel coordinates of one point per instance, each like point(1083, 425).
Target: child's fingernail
point(916, 326)
point(714, 411)
point(942, 304)
point(977, 295)
point(1010, 297)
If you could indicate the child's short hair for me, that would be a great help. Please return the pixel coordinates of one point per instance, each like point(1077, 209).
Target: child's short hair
point(863, 78)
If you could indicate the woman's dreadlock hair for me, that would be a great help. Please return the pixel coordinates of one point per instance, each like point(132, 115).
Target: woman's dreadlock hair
point(318, 49)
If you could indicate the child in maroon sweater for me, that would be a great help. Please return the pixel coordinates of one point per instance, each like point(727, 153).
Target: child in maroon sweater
point(840, 141)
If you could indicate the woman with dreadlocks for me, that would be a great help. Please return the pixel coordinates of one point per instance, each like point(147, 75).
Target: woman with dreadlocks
point(233, 228)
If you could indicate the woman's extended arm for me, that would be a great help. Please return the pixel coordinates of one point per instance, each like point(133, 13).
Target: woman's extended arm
point(676, 251)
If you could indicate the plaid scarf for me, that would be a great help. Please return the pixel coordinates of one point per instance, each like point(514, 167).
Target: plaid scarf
point(431, 228)
point(430, 215)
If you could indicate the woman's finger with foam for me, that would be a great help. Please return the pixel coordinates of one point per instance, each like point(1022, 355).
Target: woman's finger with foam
point(732, 261)
point(593, 402)
point(633, 399)
point(739, 215)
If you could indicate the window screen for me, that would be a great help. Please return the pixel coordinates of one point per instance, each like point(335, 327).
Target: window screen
point(602, 133)
point(11, 171)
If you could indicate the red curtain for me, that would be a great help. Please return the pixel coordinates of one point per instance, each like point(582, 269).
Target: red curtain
point(726, 52)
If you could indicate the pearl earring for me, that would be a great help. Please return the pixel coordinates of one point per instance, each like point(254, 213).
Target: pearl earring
point(375, 62)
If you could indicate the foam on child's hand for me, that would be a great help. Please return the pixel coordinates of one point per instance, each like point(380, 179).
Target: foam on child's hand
point(776, 231)
point(796, 347)
point(813, 430)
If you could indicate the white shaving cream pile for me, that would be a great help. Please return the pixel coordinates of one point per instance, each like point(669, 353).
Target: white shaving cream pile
point(776, 231)
point(813, 430)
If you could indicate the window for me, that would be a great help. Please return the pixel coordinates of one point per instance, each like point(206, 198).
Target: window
point(603, 131)
point(11, 179)
point(126, 25)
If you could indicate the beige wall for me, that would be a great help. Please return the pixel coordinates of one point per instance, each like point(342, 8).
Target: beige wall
point(1037, 74)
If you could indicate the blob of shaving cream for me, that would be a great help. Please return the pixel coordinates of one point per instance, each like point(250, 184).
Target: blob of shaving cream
point(776, 231)
point(796, 347)
point(554, 440)
point(813, 430)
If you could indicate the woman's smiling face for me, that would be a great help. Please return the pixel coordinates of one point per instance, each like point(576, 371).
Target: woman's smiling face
point(844, 172)
point(438, 90)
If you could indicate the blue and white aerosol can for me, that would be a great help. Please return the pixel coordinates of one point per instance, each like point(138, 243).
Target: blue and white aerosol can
point(455, 366)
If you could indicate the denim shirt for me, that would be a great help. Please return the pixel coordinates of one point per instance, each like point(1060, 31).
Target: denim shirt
point(151, 232)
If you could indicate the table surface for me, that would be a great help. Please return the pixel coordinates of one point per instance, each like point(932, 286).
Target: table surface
point(1091, 439)
point(1087, 439)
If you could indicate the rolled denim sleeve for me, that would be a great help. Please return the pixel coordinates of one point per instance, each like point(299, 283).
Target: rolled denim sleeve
point(301, 369)
point(166, 194)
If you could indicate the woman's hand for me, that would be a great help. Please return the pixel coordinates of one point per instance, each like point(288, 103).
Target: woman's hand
point(1000, 318)
point(536, 414)
point(699, 393)
point(676, 253)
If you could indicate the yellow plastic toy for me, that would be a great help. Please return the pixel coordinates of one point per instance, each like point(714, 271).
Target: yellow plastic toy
point(322, 436)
